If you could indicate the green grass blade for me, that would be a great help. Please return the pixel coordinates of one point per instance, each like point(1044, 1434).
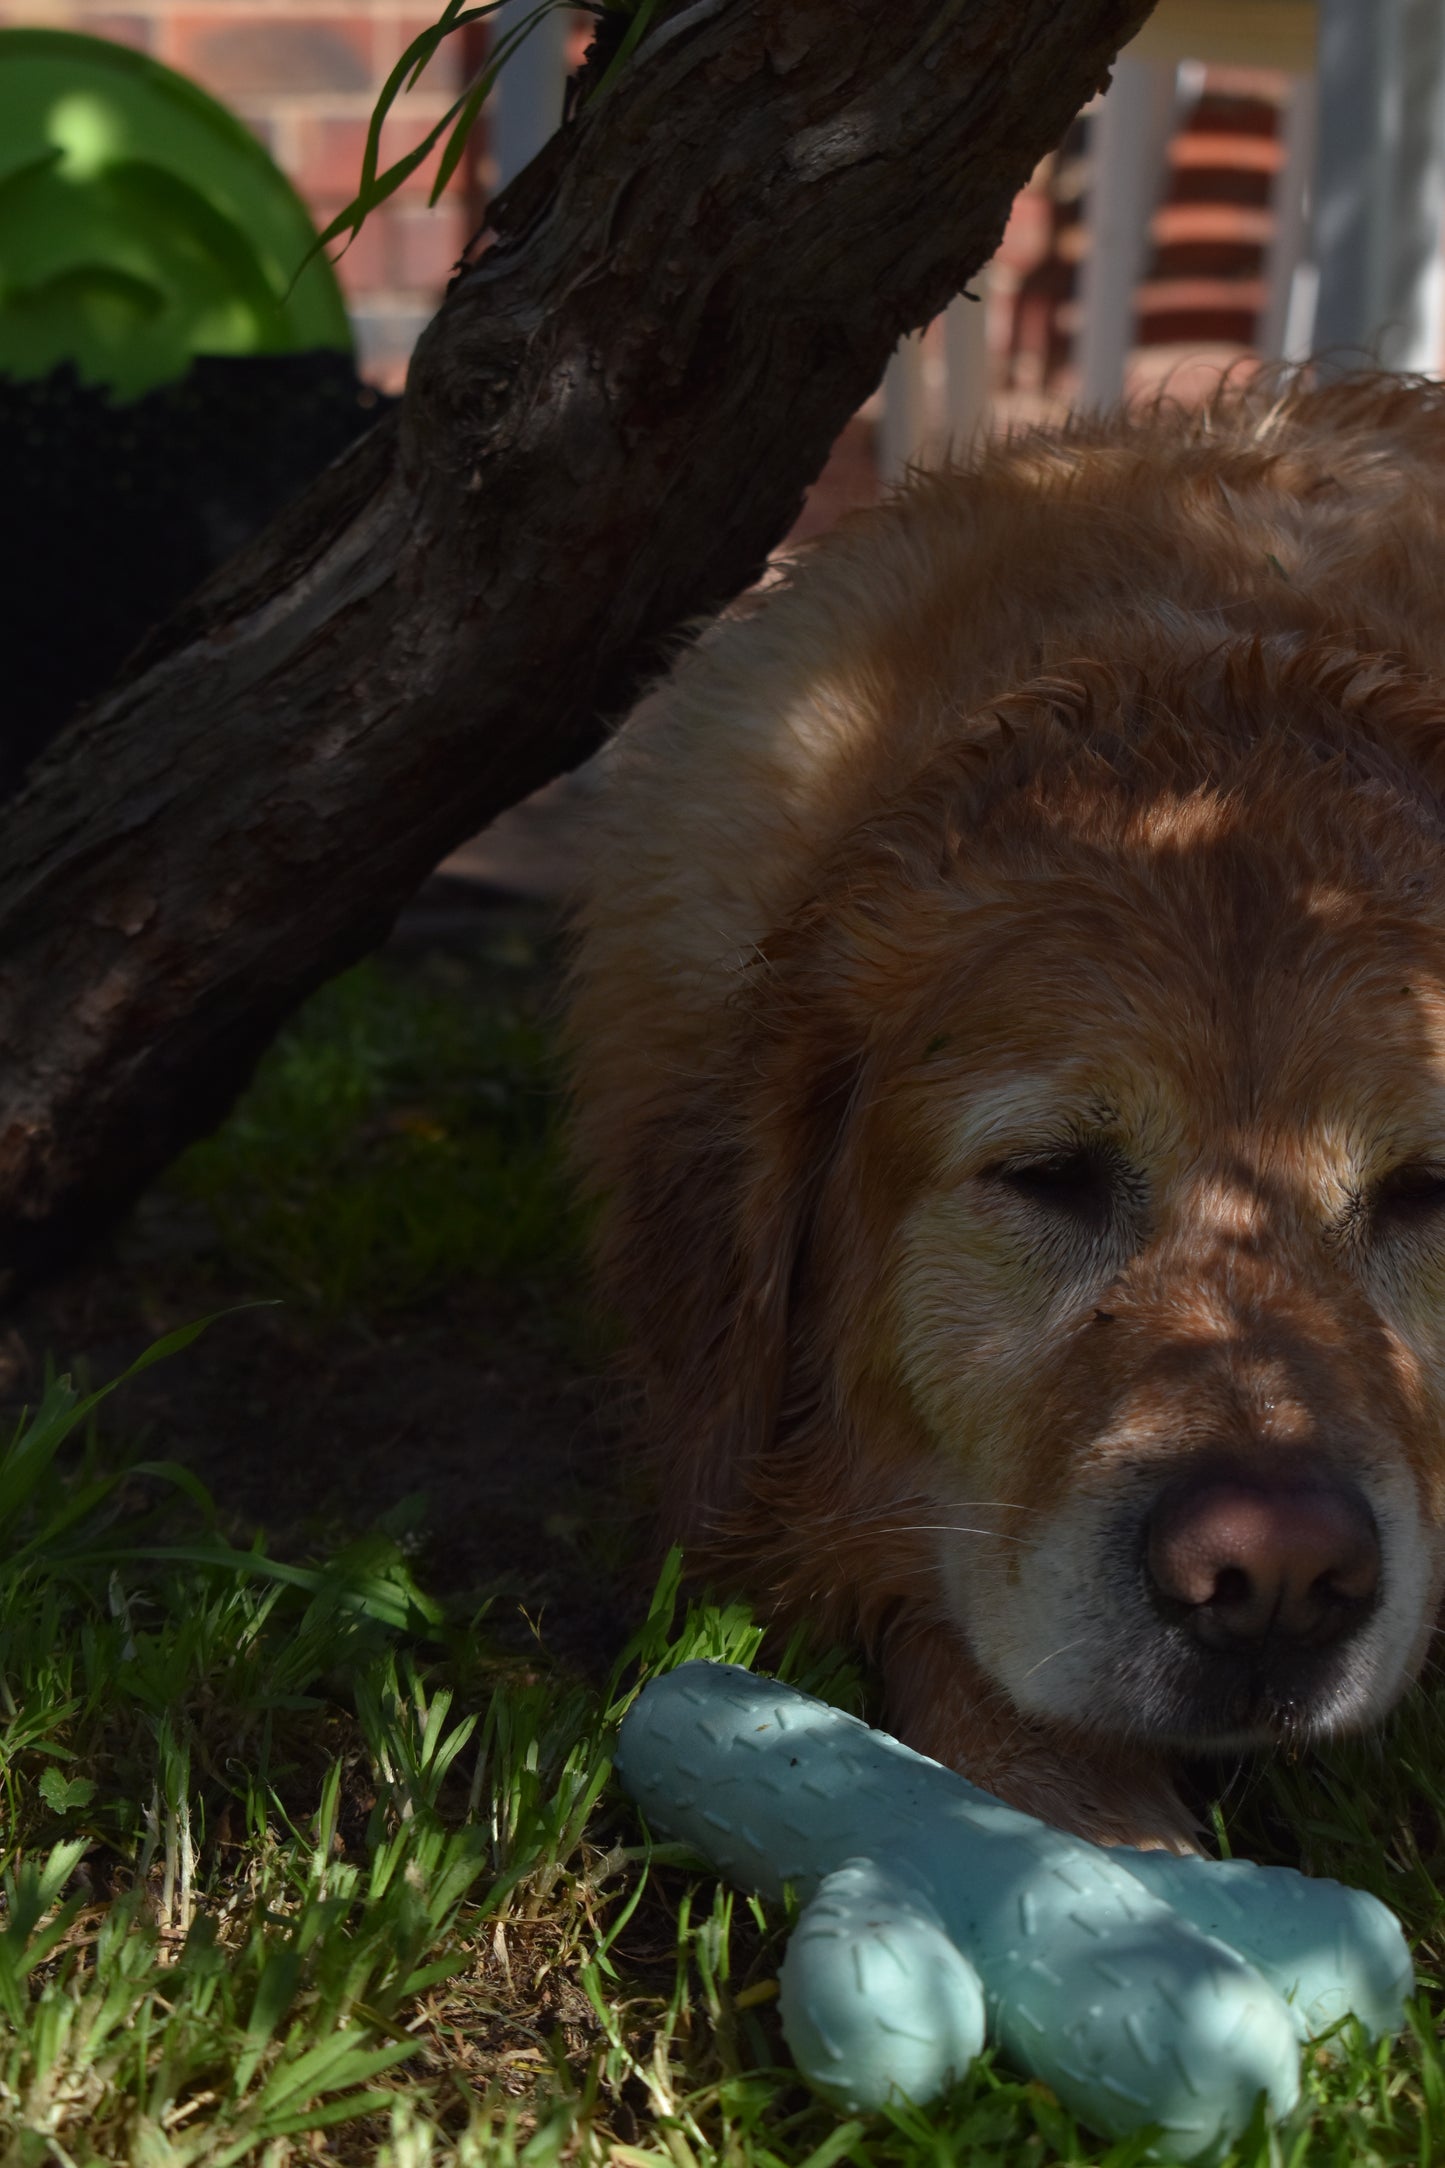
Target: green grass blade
point(345, 2059)
point(375, 186)
point(275, 1991)
point(481, 89)
point(632, 37)
point(402, 1607)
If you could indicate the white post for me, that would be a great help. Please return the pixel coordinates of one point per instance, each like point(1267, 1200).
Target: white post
point(928, 412)
point(525, 108)
point(1415, 290)
point(966, 387)
point(1380, 185)
point(1128, 136)
point(903, 424)
point(1286, 325)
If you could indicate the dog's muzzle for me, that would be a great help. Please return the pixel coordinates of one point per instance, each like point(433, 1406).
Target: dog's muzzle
point(1261, 1581)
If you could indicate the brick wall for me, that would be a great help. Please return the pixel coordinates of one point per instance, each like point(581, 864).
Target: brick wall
point(304, 74)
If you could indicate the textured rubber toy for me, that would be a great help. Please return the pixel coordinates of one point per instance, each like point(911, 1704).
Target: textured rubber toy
point(1143, 1988)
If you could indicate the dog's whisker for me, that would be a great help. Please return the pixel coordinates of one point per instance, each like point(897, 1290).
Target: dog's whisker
point(923, 1505)
point(1054, 1655)
point(944, 1528)
point(989, 1505)
point(870, 1531)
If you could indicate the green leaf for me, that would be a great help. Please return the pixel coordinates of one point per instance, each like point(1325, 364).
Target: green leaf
point(61, 1794)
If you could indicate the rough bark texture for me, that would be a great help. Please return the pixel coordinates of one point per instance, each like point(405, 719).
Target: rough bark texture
point(609, 424)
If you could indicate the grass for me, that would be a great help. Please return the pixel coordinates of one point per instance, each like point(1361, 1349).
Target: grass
point(401, 1136)
point(301, 1865)
point(181, 1970)
point(296, 1858)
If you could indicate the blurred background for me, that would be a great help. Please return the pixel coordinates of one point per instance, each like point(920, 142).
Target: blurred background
point(1265, 177)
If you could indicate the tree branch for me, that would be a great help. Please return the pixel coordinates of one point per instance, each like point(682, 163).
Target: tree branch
point(610, 422)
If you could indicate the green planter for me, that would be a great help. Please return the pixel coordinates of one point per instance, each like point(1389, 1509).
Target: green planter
point(141, 224)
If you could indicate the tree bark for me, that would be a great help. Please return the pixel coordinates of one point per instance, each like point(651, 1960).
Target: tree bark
point(608, 425)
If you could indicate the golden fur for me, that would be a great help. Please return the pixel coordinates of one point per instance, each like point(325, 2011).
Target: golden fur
point(1092, 792)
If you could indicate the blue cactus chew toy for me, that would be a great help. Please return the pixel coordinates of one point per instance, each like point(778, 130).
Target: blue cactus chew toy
point(1144, 1988)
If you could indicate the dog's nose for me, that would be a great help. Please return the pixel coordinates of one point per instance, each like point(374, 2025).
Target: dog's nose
point(1240, 1560)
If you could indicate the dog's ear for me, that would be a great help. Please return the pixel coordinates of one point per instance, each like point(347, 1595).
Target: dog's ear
point(704, 1239)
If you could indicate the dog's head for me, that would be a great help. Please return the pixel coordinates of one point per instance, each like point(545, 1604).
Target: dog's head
point(1099, 1129)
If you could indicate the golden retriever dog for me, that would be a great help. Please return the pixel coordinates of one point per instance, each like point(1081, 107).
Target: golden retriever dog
point(1009, 1022)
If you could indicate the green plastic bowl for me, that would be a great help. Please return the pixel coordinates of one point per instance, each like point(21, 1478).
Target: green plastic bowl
point(141, 224)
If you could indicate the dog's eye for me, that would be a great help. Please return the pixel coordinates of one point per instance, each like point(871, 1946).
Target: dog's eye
point(1411, 1194)
point(1079, 1185)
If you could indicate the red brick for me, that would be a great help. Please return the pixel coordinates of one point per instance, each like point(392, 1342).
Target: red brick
point(365, 267)
point(426, 245)
point(281, 56)
point(458, 57)
point(329, 151)
point(121, 29)
point(328, 155)
point(442, 75)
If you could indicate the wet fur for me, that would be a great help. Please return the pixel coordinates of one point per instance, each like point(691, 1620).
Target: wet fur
point(1096, 789)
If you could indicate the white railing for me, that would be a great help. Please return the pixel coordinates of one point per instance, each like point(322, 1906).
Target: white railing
point(1355, 267)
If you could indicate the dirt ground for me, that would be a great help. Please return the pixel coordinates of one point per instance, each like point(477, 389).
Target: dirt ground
point(312, 1428)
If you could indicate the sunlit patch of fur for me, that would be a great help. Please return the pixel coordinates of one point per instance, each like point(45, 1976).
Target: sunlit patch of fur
point(1085, 802)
